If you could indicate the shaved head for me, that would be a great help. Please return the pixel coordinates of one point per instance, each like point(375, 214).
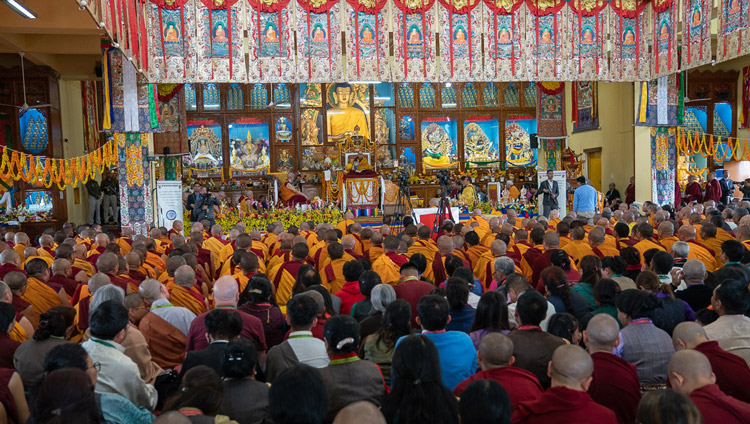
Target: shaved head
point(498, 248)
point(445, 245)
point(688, 335)
point(361, 412)
point(571, 367)
point(601, 333)
point(689, 370)
point(496, 350)
point(225, 290)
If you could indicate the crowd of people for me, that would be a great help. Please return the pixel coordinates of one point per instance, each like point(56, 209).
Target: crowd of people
point(627, 316)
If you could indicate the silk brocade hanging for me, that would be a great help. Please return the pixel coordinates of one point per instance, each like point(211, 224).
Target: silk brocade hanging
point(171, 29)
point(318, 41)
point(547, 46)
point(588, 42)
point(664, 38)
point(219, 45)
point(696, 33)
point(270, 41)
point(733, 39)
point(504, 21)
point(460, 40)
point(414, 41)
point(629, 57)
point(367, 40)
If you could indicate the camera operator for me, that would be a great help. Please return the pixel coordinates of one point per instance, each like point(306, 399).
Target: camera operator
point(204, 205)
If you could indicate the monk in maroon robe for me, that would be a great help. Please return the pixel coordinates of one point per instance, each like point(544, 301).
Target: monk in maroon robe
point(630, 191)
point(566, 401)
point(495, 357)
point(615, 384)
point(693, 192)
point(713, 189)
point(690, 374)
point(731, 371)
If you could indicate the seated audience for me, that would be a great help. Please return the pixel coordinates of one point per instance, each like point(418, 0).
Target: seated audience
point(245, 399)
point(222, 326)
point(378, 347)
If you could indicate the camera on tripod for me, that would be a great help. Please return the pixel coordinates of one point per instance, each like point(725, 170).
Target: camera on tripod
point(402, 176)
point(444, 178)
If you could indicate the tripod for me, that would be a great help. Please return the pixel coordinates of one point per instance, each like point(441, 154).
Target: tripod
point(399, 210)
point(444, 209)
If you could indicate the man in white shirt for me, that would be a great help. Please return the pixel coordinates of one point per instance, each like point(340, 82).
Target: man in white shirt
point(118, 374)
point(732, 328)
point(301, 347)
point(157, 295)
point(516, 285)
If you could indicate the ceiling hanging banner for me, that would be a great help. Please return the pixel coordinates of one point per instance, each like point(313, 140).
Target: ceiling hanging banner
point(733, 39)
point(547, 21)
point(460, 40)
point(170, 34)
point(414, 40)
point(588, 58)
point(664, 38)
point(270, 41)
point(503, 38)
point(629, 57)
point(367, 41)
point(219, 47)
point(318, 41)
point(696, 33)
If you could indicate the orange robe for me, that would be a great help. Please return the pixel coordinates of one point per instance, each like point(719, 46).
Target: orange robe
point(284, 279)
point(429, 249)
point(226, 252)
point(646, 244)
point(375, 252)
point(526, 265)
point(45, 258)
point(333, 275)
point(270, 239)
point(487, 239)
point(260, 249)
point(389, 272)
point(667, 242)
point(18, 333)
point(125, 245)
point(604, 250)
point(577, 249)
point(476, 252)
point(554, 222)
point(48, 255)
point(156, 261)
point(564, 241)
point(19, 248)
point(714, 244)
point(483, 224)
point(480, 266)
point(704, 254)
point(723, 235)
point(242, 279)
point(85, 266)
point(41, 296)
point(190, 298)
point(165, 342)
point(343, 224)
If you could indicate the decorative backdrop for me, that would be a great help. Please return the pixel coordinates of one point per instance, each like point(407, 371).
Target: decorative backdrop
point(663, 165)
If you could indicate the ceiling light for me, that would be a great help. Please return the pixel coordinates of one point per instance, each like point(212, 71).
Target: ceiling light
point(20, 9)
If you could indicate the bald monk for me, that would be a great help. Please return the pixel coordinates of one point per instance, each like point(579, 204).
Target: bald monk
point(566, 401)
point(445, 250)
point(108, 263)
point(286, 275)
point(690, 374)
point(165, 341)
point(134, 267)
point(282, 254)
point(11, 261)
point(362, 412)
point(376, 246)
point(17, 283)
point(243, 242)
point(319, 254)
point(351, 246)
point(709, 239)
point(348, 220)
point(228, 249)
point(62, 270)
point(484, 266)
point(33, 253)
point(22, 329)
point(389, 264)
point(426, 246)
point(495, 357)
point(615, 381)
point(258, 247)
point(645, 235)
point(46, 244)
point(479, 219)
point(474, 249)
point(186, 292)
point(79, 260)
point(698, 250)
point(153, 258)
point(39, 292)
point(83, 296)
point(355, 232)
point(666, 235)
point(100, 244)
point(532, 253)
point(578, 247)
point(598, 247)
point(731, 371)
point(126, 240)
point(248, 267)
point(333, 273)
point(21, 241)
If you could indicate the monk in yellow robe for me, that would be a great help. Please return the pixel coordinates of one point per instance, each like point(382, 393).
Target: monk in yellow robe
point(41, 296)
point(348, 220)
point(598, 246)
point(185, 293)
point(645, 234)
point(154, 259)
point(710, 240)
point(388, 265)
point(376, 246)
point(285, 276)
point(578, 247)
point(479, 219)
point(698, 250)
point(666, 235)
point(333, 273)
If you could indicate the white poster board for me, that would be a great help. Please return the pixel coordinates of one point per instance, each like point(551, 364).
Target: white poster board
point(169, 202)
point(562, 186)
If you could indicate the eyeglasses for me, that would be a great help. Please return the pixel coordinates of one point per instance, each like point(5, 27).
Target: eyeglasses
point(97, 366)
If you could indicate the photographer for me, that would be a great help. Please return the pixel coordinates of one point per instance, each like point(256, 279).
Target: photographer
point(204, 205)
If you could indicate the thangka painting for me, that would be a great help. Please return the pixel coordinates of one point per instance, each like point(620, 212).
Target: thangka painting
point(319, 45)
point(733, 39)
point(588, 58)
point(414, 42)
point(33, 127)
point(204, 142)
point(518, 151)
point(585, 106)
point(629, 58)
point(367, 41)
point(219, 50)
point(169, 115)
point(129, 100)
point(663, 165)
point(270, 41)
point(134, 179)
point(550, 110)
point(481, 141)
point(347, 110)
point(439, 143)
point(460, 41)
point(503, 38)
point(664, 38)
point(249, 146)
point(658, 102)
point(284, 160)
point(696, 33)
point(170, 33)
point(743, 120)
point(546, 20)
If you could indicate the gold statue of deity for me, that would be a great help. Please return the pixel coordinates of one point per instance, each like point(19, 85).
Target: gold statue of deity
point(436, 147)
point(478, 147)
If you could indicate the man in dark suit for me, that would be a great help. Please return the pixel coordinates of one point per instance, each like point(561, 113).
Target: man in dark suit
point(550, 190)
point(222, 325)
point(192, 200)
point(727, 188)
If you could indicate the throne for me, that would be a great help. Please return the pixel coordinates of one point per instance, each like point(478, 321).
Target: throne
point(361, 182)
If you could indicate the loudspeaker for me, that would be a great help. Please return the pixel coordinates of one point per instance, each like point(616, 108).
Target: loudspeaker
point(533, 141)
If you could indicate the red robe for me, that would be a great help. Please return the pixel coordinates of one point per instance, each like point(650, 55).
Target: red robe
point(718, 407)
point(615, 386)
point(7, 268)
point(732, 372)
point(693, 192)
point(68, 284)
point(563, 405)
point(521, 385)
point(713, 191)
point(630, 194)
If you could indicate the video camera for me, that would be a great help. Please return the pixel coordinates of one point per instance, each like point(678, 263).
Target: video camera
point(444, 178)
point(403, 178)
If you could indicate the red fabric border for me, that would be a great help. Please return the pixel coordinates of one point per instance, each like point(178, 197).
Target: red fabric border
point(661, 5)
point(448, 4)
point(551, 92)
point(501, 10)
point(616, 6)
point(249, 121)
point(600, 5)
point(176, 4)
point(406, 9)
point(359, 7)
point(202, 122)
point(226, 4)
point(323, 8)
point(259, 6)
point(167, 97)
point(549, 10)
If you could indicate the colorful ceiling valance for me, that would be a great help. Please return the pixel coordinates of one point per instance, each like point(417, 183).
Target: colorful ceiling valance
point(177, 41)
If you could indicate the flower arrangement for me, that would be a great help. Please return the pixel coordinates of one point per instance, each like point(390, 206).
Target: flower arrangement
point(22, 214)
point(495, 208)
point(317, 213)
